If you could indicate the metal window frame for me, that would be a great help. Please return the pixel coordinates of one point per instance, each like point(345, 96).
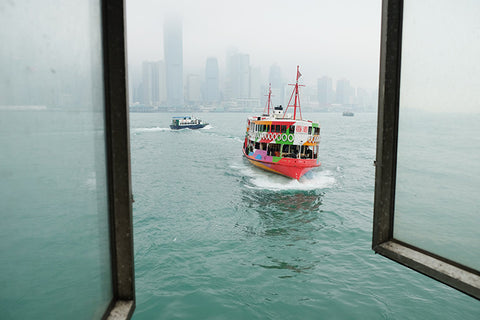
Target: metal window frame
point(449, 272)
point(118, 160)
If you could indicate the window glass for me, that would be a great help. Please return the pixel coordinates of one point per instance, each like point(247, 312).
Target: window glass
point(438, 165)
point(54, 234)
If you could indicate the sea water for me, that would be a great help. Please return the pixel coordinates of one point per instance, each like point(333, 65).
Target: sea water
point(216, 238)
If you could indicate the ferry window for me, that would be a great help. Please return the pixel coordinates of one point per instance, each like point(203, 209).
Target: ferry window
point(292, 129)
point(426, 193)
point(309, 130)
point(284, 129)
point(65, 235)
point(277, 128)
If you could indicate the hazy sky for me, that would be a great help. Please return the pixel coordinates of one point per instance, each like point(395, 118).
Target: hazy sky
point(440, 56)
point(338, 38)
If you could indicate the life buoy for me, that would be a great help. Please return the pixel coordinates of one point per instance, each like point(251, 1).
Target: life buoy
point(284, 137)
point(290, 136)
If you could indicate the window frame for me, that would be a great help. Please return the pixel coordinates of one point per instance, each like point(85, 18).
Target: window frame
point(444, 270)
point(118, 160)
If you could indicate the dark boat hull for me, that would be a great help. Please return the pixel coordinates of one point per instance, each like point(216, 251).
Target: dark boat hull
point(192, 126)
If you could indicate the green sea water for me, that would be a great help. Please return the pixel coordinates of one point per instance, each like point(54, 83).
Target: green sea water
point(216, 238)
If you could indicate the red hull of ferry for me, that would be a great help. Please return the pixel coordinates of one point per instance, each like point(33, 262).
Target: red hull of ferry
point(292, 168)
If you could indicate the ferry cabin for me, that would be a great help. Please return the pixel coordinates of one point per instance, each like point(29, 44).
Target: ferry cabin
point(297, 139)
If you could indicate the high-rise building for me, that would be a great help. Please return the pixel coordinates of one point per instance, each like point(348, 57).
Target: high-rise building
point(344, 92)
point(194, 93)
point(153, 88)
point(212, 92)
point(278, 85)
point(325, 91)
point(173, 48)
point(255, 83)
point(238, 76)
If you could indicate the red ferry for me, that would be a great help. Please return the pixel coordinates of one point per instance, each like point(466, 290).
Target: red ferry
point(282, 143)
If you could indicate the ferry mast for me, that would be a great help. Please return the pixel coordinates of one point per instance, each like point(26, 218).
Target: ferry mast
point(269, 101)
point(296, 103)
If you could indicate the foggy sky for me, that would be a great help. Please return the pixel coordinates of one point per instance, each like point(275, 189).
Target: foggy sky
point(339, 38)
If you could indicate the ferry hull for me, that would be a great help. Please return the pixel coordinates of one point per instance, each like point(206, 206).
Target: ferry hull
point(292, 168)
point(193, 126)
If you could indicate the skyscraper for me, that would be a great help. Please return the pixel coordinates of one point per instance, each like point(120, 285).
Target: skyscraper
point(194, 93)
point(344, 92)
point(238, 76)
point(325, 91)
point(153, 83)
point(173, 47)
point(212, 92)
point(275, 79)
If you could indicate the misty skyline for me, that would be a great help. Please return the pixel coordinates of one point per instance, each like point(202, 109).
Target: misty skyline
point(339, 40)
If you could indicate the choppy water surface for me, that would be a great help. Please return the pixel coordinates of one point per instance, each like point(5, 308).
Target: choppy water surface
point(216, 238)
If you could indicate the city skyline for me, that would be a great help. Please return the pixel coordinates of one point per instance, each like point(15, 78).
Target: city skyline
point(242, 90)
point(165, 87)
point(338, 39)
point(242, 76)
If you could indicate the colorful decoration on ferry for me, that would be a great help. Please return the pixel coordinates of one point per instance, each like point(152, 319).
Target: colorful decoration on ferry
point(278, 142)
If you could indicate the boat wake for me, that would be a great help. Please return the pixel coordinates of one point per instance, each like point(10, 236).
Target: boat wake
point(153, 129)
point(316, 179)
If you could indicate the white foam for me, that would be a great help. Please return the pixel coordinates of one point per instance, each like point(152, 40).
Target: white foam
point(207, 127)
point(150, 129)
point(313, 180)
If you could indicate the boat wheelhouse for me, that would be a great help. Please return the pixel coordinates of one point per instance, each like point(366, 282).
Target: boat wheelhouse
point(187, 122)
point(277, 142)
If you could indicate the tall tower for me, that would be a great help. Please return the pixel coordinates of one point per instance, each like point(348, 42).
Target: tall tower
point(275, 79)
point(344, 92)
point(153, 83)
point(325, 91)
point(193, 89)
point(173, 47)
point(238, 75)
point(212, 93)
